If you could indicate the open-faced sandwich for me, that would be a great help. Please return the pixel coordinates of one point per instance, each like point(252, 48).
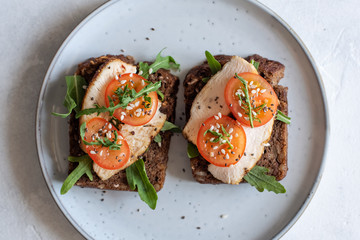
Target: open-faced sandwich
point(236, 121)
point(121, 116)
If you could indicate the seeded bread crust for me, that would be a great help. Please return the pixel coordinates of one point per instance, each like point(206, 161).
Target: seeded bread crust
point(275, 155)
point(156, 156)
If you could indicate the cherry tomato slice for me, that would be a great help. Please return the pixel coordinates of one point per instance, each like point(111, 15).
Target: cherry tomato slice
point(139, 111)
point(99, 128)
point(221, 140)
point(263, 99)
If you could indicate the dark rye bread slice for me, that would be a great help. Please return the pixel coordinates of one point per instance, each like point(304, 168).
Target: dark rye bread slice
point(156, 156)
point(275, 155)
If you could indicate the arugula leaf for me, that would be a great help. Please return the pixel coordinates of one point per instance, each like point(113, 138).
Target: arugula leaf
point(161, 95)
point(157, 138)
point(169, 126)
point(84, 167)
point(247, 98)
point(257, 177)
point(167, 62)
point(205, 79)
point(112, 145)
point(255, 63)
point(282, 117)
point(125, 95)
point(192, 150)
point(136, 177)
point(74, 95)
point(220, 137)
point(214, 65)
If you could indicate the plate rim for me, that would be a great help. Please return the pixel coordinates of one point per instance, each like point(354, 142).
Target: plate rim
point(256, 3)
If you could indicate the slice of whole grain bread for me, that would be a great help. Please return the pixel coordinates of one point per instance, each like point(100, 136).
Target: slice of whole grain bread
point(156, 156)
point(275, 155)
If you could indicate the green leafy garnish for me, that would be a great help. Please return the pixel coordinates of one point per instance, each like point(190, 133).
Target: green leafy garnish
point(192, 150)
point(247, 99)
point(258, 178)
point(84, 167)
point(136, 177)
point(205, 79)
point(167, 62)
point(255, 63)
point(214, 65)
point(161, 95)
point(222, 138)
point(282, 117)
point(74, 95)
point(157, 138)
point(112, 145)
point(125, 95)
point(169, 126)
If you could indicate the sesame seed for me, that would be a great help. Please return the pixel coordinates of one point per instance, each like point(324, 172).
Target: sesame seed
point(222, 151)
point(251, 82)
point(223, 141)
point(231, 130)
point(239, 102)
point(239, 114)
point(131, 75)
point(227, 156)
point(232, 152)
point(211, 127)
point(122, 117)
point(231, 137)
point(142, 82)
point(216, 147)
point(220, 115)
point(212, 154)
point(258, 89)
point(253, 91)
point(137, 104)
point(150, 70)
point(92, 152)
point(217, 125)
point(84, 87)
point(123, 81)
point(266, 144)
point(216, 117)
point(254, 113)
point(129, 108)
point(140, 72)
point(123, 113)
point(212, 139)
point(101, 152)
point(230, 105)
point(263, 90)
point(137, 114)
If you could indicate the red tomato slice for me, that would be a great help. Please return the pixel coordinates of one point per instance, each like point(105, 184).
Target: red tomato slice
point(139, 111)
point(263, 99)
point(217, 150)
point(98, 128)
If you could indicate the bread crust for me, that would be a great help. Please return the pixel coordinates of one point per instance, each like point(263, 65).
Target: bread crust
point(275, 155)
point(156, 157)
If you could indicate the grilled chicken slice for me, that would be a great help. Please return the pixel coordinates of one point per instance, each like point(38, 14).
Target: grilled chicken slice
point(95, 93)
point(210, 100)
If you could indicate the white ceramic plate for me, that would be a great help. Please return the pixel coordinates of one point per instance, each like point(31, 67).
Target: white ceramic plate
point(187, 28)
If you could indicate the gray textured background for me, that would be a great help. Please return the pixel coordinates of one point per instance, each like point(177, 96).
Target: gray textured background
point(31, 33)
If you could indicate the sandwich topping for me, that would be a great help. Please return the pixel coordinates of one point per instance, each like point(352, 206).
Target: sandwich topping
point(136, 96)
point(221, 140)
point(251, 99)
point(104, 144)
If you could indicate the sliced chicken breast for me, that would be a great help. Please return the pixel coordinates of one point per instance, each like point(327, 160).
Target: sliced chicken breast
point(95, 93)
point(138, 139)
point(256, 138)
point(210, 100)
